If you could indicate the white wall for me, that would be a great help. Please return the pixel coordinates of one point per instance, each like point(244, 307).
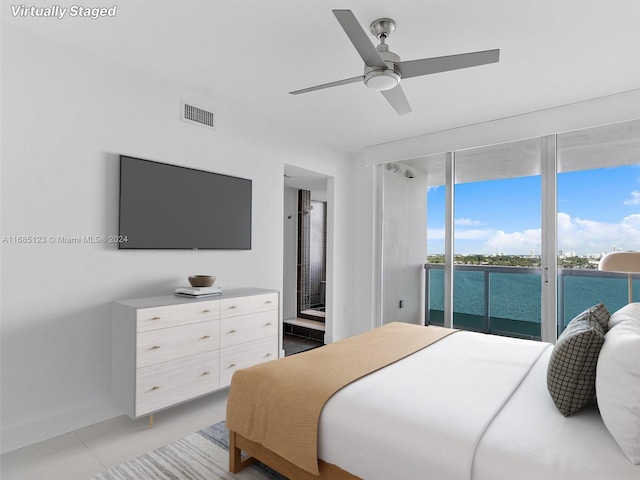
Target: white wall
point(65, 119)
point(404, 244)
point(364, 261)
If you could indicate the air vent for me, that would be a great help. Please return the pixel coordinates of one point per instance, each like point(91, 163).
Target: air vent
point(196, 115)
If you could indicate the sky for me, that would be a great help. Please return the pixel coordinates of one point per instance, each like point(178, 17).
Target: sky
point(597, 210)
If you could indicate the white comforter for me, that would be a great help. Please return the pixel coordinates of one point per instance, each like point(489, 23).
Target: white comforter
point(471, 406)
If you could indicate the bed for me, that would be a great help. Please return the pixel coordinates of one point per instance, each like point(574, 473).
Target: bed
point(466, 406)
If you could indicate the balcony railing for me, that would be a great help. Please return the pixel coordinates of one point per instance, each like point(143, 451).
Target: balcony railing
point(507, 300)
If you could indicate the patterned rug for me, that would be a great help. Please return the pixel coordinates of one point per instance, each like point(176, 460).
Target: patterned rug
point(203, 455)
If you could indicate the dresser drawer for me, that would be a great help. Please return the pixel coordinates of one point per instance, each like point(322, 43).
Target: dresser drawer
point(231, 307)
point(246, 355)
point(237, 330)
point(165, 344)
point(169, 383)
point(174, 315)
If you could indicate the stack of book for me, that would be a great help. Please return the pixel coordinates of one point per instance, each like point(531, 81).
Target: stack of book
point(197, 292)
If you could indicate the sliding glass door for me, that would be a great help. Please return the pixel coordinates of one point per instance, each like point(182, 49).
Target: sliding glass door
point(598, 212)
point(494, 200)
point(497, 239)
point(515, 231)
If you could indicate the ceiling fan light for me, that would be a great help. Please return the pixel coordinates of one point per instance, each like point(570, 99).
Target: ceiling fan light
point(381, 79)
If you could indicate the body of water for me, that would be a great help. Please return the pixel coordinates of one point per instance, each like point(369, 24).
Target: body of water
point(516, 297)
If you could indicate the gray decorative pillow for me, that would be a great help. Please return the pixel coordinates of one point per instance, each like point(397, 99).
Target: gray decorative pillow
point(571, 375)
point(601, 315)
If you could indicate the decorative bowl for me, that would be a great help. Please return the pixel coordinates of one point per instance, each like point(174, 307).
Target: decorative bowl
point(201, 280)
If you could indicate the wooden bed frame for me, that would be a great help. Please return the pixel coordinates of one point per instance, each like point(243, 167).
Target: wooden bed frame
point(251, 406)
point(256, 452)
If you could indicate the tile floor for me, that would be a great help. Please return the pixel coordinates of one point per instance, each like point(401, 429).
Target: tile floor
point(83, 453)
point(293, 344)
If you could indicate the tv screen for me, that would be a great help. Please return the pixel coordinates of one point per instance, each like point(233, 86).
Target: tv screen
point(170, 207)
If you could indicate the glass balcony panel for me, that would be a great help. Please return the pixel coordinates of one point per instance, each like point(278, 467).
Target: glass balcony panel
point(510, 297)
point(435, 295)
point(468, 299)
point(579, 290)
point(491, 299)
point(514, 303)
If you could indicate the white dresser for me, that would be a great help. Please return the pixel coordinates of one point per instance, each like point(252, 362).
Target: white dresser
point(168, 350)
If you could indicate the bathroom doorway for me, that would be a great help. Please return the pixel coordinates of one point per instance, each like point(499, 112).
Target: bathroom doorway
point(307, 251)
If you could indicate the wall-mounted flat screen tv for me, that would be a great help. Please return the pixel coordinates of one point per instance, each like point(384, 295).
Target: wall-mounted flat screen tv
point(171, 207)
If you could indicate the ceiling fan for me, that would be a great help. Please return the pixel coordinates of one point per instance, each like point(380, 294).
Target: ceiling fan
point(383, 69)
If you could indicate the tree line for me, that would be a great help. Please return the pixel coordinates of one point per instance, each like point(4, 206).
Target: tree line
point(513, 261)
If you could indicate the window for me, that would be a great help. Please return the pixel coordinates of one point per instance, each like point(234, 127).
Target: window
point(598, 212)
point(508, 202)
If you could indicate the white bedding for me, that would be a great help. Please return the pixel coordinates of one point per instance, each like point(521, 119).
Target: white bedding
point(471, 406)
point(544, 444)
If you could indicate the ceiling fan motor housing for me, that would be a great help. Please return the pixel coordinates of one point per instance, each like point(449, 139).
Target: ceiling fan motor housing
point(382, 79)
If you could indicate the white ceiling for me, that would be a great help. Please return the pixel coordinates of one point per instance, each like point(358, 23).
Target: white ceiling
point(251, 53)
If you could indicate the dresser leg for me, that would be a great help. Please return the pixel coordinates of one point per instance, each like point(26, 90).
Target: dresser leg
point(151, 421)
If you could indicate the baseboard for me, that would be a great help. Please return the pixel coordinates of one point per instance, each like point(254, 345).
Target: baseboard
point(45, 428)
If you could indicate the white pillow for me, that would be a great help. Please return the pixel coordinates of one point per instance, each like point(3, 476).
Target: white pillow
point(628, 312)
point(618, 386)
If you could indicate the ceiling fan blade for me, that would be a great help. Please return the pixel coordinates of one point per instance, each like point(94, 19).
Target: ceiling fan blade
point(346, 81)
point(397, 99)
point(427, 66)
point(359, 38)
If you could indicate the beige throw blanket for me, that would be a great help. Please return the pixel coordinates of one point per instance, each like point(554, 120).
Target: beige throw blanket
point(278, 403)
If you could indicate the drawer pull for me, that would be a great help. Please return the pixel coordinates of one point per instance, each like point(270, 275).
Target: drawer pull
point(155, 318)
point(268, 355)
point(232, 307)
point(206, 311)
point(205, 373)
point(205, 337)
point(233, 365)
point(155, 347)
point(232, 331)
point(155, 388)
point(269, 301)
point(267, 324)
